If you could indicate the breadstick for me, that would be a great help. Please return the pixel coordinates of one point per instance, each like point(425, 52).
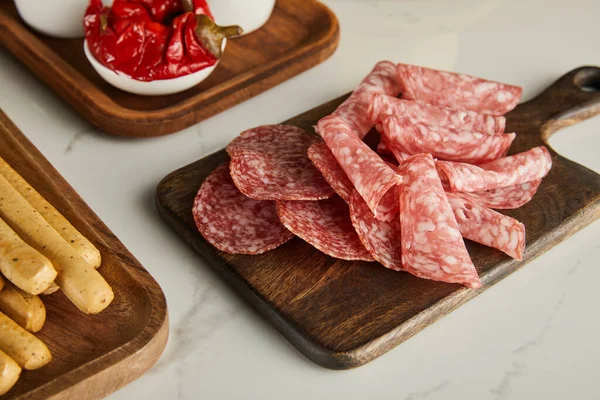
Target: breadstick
point(25, 309)
point(22, 264)
point(83, 246)
point(53, 288)
point(23, 347)
point(9, 372)
point(80, 282)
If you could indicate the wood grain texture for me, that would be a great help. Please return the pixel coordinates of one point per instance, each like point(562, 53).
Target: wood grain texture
point(299, 35)
point(93, 355)
point(344, 314)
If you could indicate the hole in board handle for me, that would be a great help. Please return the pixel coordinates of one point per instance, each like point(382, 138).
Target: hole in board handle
point(588, 80)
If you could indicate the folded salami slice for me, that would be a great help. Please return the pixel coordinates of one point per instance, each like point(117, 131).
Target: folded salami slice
point(457, 91)
point(383, 148)
point(323, 159)
point(383, 106)
point(270, 163)
point(432, 246)
point(234, 223)
point(380, 238)
point(488, 227)
point(400, 155)
point(413, 137)
point(354, 111)
point(506, 198)
point(520, 168)
point(369, 174)
point(325, 225)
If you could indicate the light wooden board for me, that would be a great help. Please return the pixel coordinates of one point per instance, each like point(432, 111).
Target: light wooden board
point(299, 35)
point(92, 355)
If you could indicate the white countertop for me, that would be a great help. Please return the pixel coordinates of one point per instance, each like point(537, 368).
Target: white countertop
point(534, 335)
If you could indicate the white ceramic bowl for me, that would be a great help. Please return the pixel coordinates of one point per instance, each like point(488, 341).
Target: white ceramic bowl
point(249, 14)
point(152, 88)
point(64, 18)
point(58, 18)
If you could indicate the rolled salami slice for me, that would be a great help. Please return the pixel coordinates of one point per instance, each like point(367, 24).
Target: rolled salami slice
point(506, 198)
point(234, 223)
point(488, 227)
point(380, 238)
point(519, 168)
point(325, 225)
point(354, 111)
point(432, 246)
point(383, 148)
point(369, 174)
point(270, 163)
point(384, 106)
point(457, 91)
point(413, 137)
point(386, 151)
point(323, 159)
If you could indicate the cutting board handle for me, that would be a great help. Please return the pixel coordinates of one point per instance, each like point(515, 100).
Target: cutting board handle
point(571, 99)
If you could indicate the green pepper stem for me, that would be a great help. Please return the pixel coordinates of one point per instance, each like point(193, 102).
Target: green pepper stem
point(212, 35)
point(103, 22)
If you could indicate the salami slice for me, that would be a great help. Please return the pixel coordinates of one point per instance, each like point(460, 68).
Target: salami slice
point(383, 106)
point(432, 246)
point(354, 111)
point(369, 174)
point(413, 137)
point(400, 155)
point(506, 198)
point(380, 238)
point(488, 227)
point(234, 223)
point(323, 159)
point(325, 225)
point(457, 91)
point(270, 163)
point(272, 138)
point(520, 168)
point(383, 148)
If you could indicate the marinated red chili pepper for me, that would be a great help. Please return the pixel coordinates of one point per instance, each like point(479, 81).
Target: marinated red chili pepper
point(203, 8)
point(154, 39)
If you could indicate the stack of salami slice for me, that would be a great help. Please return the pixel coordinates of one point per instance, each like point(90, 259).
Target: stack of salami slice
point(446, 134)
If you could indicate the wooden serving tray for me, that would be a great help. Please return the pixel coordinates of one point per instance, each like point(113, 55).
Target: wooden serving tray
point(92, 355)
point(343, 314)
point(299, 35)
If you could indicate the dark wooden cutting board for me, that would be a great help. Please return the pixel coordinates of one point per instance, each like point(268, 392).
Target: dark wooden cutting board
point(299, 35)
point(343, 314)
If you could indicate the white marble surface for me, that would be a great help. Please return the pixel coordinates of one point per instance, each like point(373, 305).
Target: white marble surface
point(534, 335)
